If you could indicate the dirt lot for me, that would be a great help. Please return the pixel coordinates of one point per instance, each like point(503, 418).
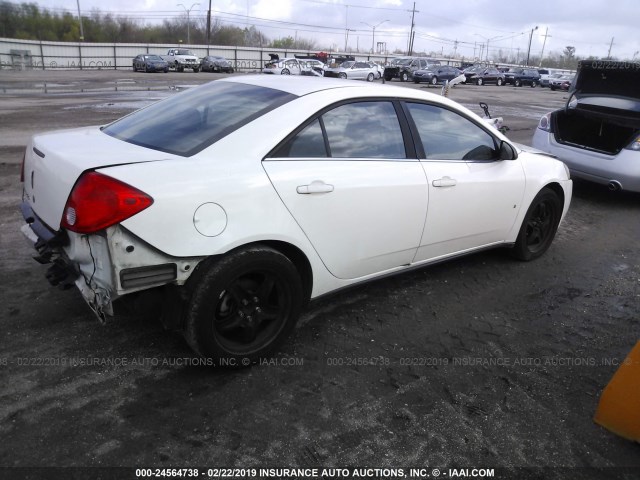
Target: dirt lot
point(481, 362)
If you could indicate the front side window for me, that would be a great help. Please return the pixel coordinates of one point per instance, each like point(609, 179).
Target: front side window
point(446, 135)
point(191, 121)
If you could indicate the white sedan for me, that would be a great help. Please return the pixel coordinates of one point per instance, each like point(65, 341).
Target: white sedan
point(234, 203)
point(285, 66)
point(353, 71)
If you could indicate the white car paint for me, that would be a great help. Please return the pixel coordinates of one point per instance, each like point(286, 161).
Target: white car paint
point(381, 216)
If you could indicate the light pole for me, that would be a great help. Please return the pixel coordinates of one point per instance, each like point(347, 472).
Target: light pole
point(188, 21)
point(80, 18)
point(529, 49)
point(373, 35)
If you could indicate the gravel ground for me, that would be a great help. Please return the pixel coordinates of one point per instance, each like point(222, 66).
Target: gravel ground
point(481, 362)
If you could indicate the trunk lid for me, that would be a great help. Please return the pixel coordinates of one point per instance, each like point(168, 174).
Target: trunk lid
point(54, 161)
point(608, 80)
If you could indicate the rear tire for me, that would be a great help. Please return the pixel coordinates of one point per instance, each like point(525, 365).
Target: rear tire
point(534, 84)
point(243, 306)
point(434, 80)
point(404, 77)
point(499, 82)
point(479, 81)
point(517, 83)
point(539, 226)
point(370, 77)
point(285, 72)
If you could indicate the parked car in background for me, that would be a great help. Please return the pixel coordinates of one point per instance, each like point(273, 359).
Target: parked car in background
point(313, 67)
point(172, 200)
point(563, 82)
point(181, 58)
point(214, 63)
point(546, 79)
point(484, 76)
point(522, 76)
point(436, 74)
point(402, 68)
point(352, 71)
point(544, 74)
point(149, 63)
point(598, 134)
point(379, 69)
point(284, 66)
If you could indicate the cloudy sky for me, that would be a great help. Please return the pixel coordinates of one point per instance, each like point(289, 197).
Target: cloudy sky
point(588, 25)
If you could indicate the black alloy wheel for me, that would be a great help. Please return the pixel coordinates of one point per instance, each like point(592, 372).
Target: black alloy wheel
point(539, 226)
point(243, 305)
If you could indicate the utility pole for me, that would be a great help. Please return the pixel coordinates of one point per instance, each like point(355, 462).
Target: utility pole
point(208, 27)
point(546, 34)
point(608, 54)
point(529, 50)
point(411, 33)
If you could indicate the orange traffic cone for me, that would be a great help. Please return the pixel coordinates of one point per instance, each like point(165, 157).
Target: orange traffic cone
point(619, 408)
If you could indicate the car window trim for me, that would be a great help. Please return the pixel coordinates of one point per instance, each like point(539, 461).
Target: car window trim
point(418, 140)
point(407, 136)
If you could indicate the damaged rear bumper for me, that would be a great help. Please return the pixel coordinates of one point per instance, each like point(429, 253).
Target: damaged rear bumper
point(103, 266)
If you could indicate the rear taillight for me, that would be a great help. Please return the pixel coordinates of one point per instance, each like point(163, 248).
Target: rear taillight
point(545, 123)
point(634, 145)
point(98, 201)
point(24, 156)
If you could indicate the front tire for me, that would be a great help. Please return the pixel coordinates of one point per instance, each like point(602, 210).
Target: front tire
point(285, 72)
point(243, 306)
point(479, 81)
point(517, 83)
point(499, 82)
point(196, 70)
point(434, 80)
point(342, 75)
point(404, 77)
point(534, 84)
point(539, 226)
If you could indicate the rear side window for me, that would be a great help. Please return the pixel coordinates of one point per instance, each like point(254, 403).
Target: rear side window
point(309, 143)
point(191, 121)
point(368, 129)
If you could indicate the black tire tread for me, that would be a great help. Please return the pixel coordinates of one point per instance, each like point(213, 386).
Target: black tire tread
point(208, 279)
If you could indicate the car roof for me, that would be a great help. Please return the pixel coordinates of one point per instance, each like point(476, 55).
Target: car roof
point(303, 85)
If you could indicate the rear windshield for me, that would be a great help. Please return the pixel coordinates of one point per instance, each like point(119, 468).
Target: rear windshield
point(191, 121)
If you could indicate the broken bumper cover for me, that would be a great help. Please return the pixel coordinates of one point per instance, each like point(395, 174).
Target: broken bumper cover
point(103, 266)
point(52, 249)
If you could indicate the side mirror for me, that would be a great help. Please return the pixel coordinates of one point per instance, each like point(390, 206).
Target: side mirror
point(506, 151)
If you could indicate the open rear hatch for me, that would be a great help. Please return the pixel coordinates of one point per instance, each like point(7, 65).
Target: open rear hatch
point(54, 162)
point(605, 115)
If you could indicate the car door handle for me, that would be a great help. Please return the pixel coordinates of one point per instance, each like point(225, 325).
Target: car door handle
point(317, 186)
point(444, 182)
